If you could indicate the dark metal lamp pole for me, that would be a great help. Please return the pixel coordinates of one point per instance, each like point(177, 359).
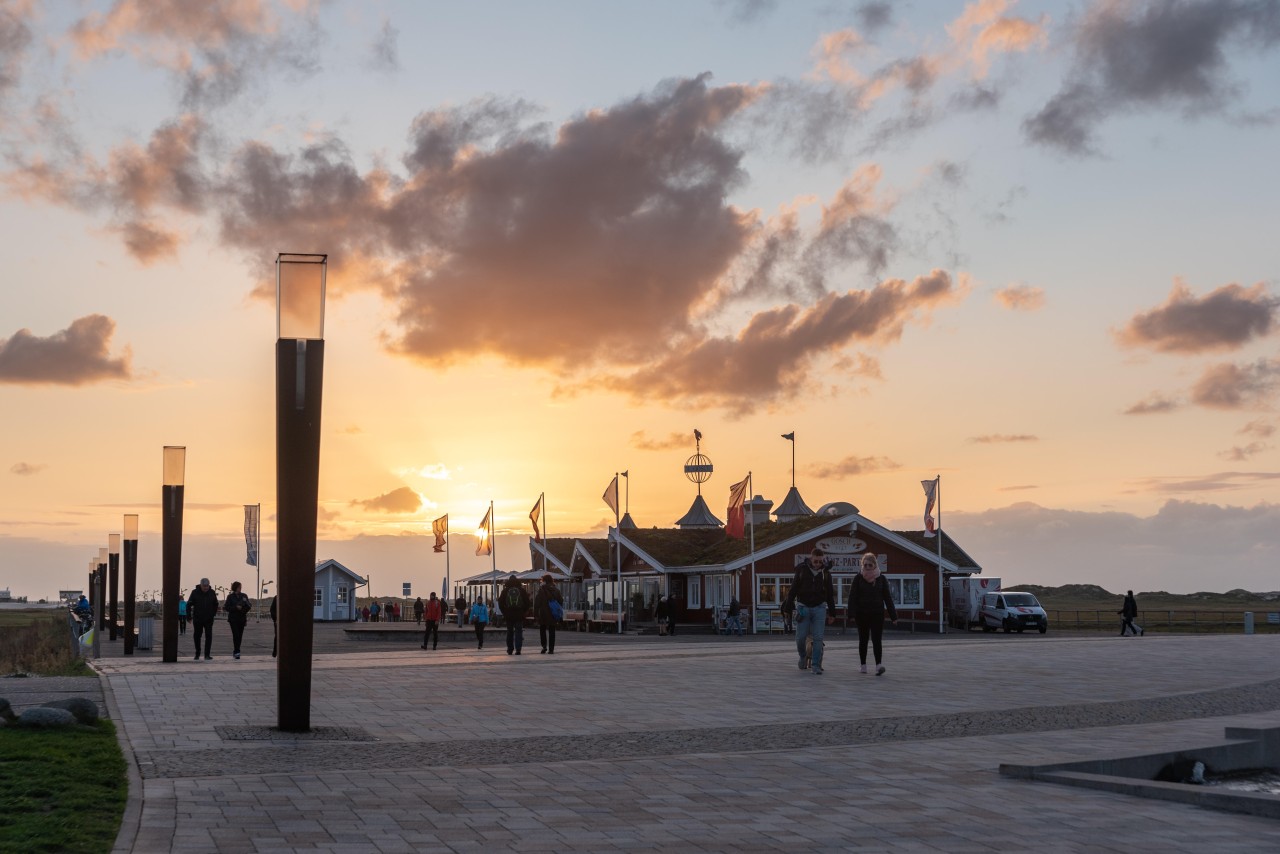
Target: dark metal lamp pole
point(130, 577)
point(175, 467)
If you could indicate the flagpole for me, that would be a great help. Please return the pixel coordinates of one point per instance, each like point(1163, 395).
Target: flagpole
point(493, 555)
point(617, 536)
point(257, 561)
point(447, 582)
point(542, 500)
point(751, 520)
point(941, 625)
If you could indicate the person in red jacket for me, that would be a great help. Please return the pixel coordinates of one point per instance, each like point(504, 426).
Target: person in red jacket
point(433, 614)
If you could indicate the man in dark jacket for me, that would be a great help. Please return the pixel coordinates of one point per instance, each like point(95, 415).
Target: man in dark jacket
point(542, 613)
point(814, 596)
point(1129, 613)
point(514, 604)
point(202, 606)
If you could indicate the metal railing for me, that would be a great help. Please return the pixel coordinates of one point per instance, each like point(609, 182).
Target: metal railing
point(1220, 622)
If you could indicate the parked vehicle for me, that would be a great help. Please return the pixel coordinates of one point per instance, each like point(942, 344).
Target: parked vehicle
point(1012, 610)
point(966, 600)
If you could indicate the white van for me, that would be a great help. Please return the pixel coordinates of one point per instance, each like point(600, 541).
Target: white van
point(1012, 610)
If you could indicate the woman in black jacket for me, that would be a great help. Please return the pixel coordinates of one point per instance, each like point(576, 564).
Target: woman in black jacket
point(869, 598)
point(237, 608)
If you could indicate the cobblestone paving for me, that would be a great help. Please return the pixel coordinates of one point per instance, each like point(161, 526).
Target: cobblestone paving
point(318, 751)
point(710, 746)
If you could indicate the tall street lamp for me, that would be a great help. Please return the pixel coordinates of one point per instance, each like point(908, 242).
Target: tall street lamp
point(113, 582)
point(300, 285)
point(130, 577)
point(100, 617)
point(175, 469)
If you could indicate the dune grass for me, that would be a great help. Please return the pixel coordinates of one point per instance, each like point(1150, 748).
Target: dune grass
point(60, 790)
point(40, 643)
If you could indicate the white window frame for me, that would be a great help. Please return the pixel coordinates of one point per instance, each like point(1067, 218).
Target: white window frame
point(341, 595)
point(778, 581)
point(319, 600)
point(693, 588)
point(896, 590)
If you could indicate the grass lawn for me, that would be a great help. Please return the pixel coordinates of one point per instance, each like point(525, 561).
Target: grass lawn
point(60, 790)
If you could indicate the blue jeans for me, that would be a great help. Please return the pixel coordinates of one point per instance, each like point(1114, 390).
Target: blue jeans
point(733, 624)
point(814, 623)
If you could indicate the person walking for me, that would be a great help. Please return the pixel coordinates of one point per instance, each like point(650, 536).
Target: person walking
point(733, 618)
point(275, 635)
point(433, 613)
point(479, 619)
point(182, 616)
point(1129, 613)
point(869, 598)
point(374, 608)
point(813, 596)
point(418, 609)
point(660, 615)
point(514, 604)
point(548, 610)
point(460, 605)
point(202, 606)
point(237, 608)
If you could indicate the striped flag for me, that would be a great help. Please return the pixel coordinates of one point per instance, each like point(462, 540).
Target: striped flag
point(535, 515)
point(736, 526)
point(930, 494)
point(484, 535)
point(440, 528)
point(251, 534)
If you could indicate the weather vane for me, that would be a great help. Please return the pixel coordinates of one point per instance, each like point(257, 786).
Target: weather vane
point(698, 468)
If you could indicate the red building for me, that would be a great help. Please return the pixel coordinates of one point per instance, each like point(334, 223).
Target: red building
point(701, 569)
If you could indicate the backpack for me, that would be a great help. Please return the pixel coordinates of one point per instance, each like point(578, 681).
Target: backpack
point(557, 610)
point(513, 598)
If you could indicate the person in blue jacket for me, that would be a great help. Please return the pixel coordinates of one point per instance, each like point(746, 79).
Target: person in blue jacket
point(479, 619)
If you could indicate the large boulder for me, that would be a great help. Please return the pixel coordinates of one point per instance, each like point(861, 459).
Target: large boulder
point(38, 717)
point(84, 709)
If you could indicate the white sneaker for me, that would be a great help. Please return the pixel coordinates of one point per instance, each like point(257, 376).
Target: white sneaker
point(863, 669)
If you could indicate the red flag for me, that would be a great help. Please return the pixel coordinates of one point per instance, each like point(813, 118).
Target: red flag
point(534, 515)
point(930, 493)
point(440, 528)
point(736, 526)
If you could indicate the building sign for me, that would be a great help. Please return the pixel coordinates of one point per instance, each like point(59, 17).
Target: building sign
point(408, 589)
point(842, 546)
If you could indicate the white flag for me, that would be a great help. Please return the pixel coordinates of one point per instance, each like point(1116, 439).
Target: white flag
point(484, 537)
point(611, 495)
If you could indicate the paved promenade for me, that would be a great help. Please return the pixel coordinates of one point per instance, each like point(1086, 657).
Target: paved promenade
point(632, 744)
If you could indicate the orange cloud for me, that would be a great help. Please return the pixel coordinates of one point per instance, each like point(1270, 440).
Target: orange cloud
point(1224, 319)
point(1020, 297)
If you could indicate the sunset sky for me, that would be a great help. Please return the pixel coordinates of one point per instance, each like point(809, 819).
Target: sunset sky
point(1028, 246)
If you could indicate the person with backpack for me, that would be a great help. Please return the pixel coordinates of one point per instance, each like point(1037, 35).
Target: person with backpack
point(433, 612)
point(813, 596)
point(514, 604)
point(417, 610)
point(869, 598)
point(548, 610)
point(479, 619)
point(733, 617)
point(237, 608)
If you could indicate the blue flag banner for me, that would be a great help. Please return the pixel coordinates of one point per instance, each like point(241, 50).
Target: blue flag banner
point(251, 512)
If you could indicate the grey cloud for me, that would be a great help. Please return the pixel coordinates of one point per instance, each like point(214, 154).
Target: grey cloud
point(1018, 488)
point(642, 441)
point(26, 469)
point(214, 49)
point(1231, 386)
point(1154, 53)
point(15, 38)
point(770, 359)
point(1226, 481)
point(872, 17)
point(1154, 404)
point(1224, 319)
point(1260, 428)
point(402, 500)
point(1240, 453)
point(747, 11)
point(77, 355)
point(1003, 438)
point(852, 465)
point(384, 53)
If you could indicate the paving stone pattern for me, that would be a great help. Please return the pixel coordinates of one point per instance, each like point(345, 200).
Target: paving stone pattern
point(634, 744)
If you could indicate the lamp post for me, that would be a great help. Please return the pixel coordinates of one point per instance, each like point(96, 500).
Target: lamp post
point(130, 577)
point(300, 285)
point(175, 469)
point(113, 582)
point(100, 617)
